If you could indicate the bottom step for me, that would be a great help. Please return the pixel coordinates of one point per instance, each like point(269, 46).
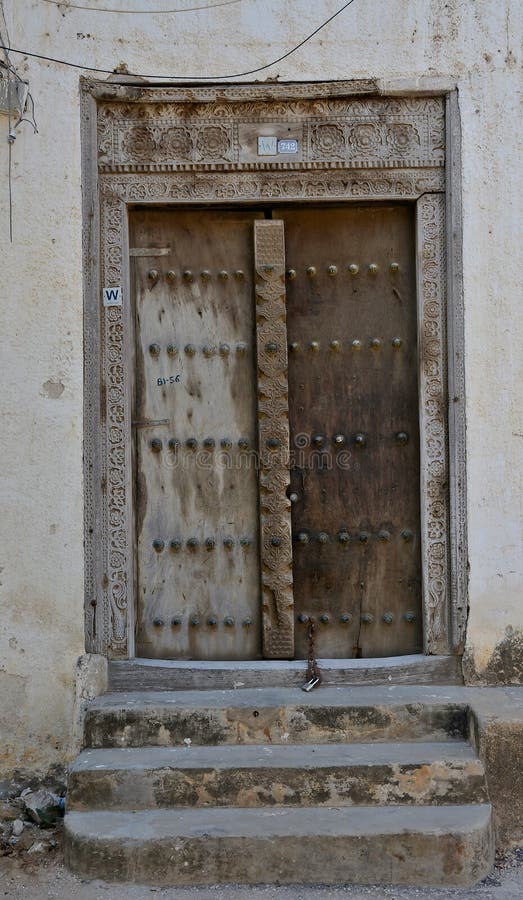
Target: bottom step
point(423, 846)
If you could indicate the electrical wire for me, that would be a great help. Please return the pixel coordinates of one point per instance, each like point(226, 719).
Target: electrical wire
point(63, 62)
point(141, 12)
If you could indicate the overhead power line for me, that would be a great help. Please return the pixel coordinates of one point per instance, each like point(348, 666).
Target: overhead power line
point(142, 12)
point(63, 62)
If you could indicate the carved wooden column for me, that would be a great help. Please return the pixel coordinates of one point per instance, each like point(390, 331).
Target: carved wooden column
point(273, 437)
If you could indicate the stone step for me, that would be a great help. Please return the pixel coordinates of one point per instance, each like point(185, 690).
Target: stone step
point(276, 775)
point(276, 715)
point(411, 845)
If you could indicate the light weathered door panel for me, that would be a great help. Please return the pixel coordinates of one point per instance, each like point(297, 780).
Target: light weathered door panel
point(196, 506)
point(353, 405)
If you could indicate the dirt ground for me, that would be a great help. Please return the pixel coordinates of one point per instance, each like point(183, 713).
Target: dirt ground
point(43, 877)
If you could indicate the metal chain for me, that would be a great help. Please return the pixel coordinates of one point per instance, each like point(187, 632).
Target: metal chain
point(313, 673)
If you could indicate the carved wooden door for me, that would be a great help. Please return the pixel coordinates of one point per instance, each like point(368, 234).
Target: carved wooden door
point(195, 421)
point(353, 402)
point(276, 423)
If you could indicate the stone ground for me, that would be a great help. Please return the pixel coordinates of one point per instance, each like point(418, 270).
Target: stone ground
point(45, 878)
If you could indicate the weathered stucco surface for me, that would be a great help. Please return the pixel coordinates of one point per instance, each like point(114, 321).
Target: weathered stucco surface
point(475, 45)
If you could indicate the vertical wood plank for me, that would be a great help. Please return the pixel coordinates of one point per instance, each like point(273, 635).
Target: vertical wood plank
point(273, 436)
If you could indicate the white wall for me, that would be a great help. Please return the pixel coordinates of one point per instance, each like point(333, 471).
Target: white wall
point(473, 43)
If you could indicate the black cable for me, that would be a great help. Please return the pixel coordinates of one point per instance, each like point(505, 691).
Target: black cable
point(63, 62)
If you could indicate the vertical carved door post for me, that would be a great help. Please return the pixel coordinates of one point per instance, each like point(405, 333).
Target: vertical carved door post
point(273, 439)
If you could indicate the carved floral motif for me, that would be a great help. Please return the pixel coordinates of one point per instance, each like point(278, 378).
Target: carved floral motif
point(213, 142)
point(365, 138)
point(328, 140)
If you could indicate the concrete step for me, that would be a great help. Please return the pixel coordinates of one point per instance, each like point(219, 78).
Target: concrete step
point(277, 775)
point(443, 845)
point(276, 715)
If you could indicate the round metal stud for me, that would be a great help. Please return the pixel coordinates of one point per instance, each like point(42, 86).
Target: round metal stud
point(302, 537)
point(209, 350)
point(387, 618)
point(407, 534)
point(153, 276)
point(293, 497)
point(239, 274)
point(158, 545)
point(193, 544)
point(367, 618)
point(158, 623)
point(303, 619)
point(291, 274)
point(223, 275)
point(241, 349)
point(318, 440)
point(363, 537)
point(359, 439)
point(323, 537)
point(314, 346)
point(188, 276)
point(344, 537)
point(224, 349)
point(191, 443)
point(205, 275)
point(384, 535)
point(354, 269)
point(373, 269)
point(339, 440)
point(170, 276)
point(243, 443)
point(335, 345)
point(275, 541)
point(245, 542)
point(156, 445)
point(271, 347)
point(375, 344)
point(409, 617)
point(210, 543)
point(394, 267)
point(190, 349)
point(324, 619)
point(311, 271)
point(228, 543)
point(212, 621)
point(176, 622)
point(396, 343)
point(226, 443)
point(228, 622)
point(332, 271)
point(356, 345)
point(247, 622)
point(345, 618)
point(209, 443)
point(154, 349)
point(273, 443)
point(402, 437)
point(173, 444)
point(294, 346)
point(268, 268)
point(175, 546)
point(194, 622)
point(172, 349)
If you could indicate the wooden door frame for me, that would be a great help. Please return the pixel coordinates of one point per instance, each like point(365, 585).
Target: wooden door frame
point(186, 145)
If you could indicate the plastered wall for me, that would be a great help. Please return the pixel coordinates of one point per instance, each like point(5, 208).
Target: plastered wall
point(472, 44)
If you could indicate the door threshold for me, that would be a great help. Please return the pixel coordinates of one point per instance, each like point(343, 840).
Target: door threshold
point(170, 675)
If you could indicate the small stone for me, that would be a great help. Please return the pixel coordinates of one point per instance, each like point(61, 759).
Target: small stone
point(39, 847)
point(18, 827)
point(43, 807)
